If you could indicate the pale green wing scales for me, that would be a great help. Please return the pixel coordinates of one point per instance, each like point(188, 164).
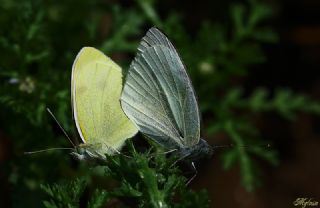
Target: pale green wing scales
point(96, 89)
point(158, 94)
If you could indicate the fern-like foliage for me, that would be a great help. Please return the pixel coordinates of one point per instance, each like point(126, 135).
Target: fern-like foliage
point(214, 56)
point(148, 179)
point(284, 102)
point(71, 195)
point(65, 195)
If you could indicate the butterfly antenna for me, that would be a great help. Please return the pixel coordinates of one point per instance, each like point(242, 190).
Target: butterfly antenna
point(46, 150)
point(241, 146)
point(222, 146)
point(64, 132)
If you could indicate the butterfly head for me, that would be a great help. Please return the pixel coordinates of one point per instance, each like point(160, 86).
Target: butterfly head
point(204, 149)
point(79, 153)
point(199, 151)
point(85, 152)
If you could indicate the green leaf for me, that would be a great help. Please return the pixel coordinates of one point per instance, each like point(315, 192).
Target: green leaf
point(98, 199)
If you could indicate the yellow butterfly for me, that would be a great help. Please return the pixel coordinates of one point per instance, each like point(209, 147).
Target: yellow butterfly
point(96, 86)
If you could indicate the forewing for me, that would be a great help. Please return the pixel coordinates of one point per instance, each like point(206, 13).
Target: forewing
point(155, 37)
point(159, 98)
point(96, 90)
point(188, 119)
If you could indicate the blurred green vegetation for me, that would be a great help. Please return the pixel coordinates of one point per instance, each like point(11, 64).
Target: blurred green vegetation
point(39, 41)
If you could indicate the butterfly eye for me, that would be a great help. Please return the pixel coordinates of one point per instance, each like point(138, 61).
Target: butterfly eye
point(81, 150)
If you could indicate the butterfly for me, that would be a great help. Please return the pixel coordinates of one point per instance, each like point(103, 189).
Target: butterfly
point(96, 86)
point(159, 98)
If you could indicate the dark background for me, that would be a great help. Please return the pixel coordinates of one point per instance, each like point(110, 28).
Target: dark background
point(293, 62)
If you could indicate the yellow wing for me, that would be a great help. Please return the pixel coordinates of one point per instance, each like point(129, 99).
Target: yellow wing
point(96, 87)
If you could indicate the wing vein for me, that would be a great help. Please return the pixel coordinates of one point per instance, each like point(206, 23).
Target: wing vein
point(148, 116)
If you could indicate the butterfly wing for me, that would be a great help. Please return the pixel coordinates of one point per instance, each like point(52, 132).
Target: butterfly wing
point(158, 94)
point(96, 89)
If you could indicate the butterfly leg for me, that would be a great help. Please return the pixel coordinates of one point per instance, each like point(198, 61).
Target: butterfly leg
point(178, 160)
point(116, 151)
point(195, 174)
point(167, 152)
point(164, 153)
point(127, 156)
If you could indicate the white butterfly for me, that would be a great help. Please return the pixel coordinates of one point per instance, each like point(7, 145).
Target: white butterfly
point(158, 96)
